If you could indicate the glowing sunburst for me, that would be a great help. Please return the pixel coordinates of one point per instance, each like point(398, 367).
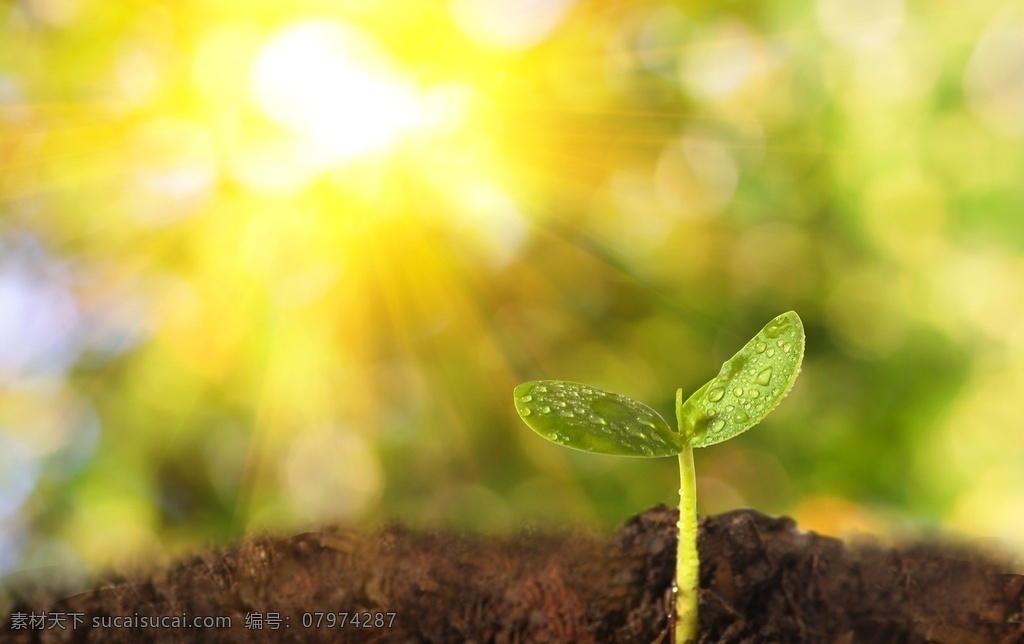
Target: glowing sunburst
point(334, 85)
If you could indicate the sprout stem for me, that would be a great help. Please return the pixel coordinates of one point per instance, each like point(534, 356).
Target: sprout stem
point(687, 560)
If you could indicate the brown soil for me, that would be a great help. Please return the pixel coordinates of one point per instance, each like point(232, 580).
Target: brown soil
point(762, 580)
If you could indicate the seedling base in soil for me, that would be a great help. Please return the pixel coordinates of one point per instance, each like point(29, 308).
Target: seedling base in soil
point(762, 580)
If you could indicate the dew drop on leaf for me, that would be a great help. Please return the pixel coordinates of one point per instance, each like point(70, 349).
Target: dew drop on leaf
point(776, 327)
point(716, 394)
point(764, 377)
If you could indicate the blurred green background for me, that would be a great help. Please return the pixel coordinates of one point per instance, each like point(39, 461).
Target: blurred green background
point(274, 265)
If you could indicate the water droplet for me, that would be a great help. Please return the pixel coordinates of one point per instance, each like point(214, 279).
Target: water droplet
point(602, 421)
point(545, 410)
point(770, 352)
point(567, 414)
point(760, 407)
point(759, 347)
point(778, 343)
point(740, 417)
point(525, 411)
point(559, 394)
point(646, 450)
point(764, 377)
point(527, 398)
point(641, 435)
point(540, 389)
point(716, 394)
point(773, 329)
point(712, 412)
point(559, 403)
point(786, 347)
point(729, 408)
point(718, 425)
point(737, 391)
point(753, 393)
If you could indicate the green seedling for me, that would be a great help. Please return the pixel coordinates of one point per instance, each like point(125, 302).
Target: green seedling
point(749, 386)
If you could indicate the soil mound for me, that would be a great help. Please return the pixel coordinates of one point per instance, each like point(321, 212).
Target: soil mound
point(762, 580)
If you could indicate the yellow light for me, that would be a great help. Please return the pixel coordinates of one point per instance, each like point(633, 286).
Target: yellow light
point(336, 87)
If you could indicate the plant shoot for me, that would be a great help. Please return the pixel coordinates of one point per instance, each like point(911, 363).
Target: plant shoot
point(749, 385)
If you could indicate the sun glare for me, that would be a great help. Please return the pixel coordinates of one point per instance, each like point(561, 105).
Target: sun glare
point(335, 86)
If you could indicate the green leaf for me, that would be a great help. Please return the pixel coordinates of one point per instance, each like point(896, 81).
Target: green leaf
point(588, 419)
point(749, 386)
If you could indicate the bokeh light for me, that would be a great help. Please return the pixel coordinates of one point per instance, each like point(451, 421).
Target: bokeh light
point(268, 266)
point(333, 84)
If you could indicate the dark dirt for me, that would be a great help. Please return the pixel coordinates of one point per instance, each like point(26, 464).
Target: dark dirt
point(762, 580)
